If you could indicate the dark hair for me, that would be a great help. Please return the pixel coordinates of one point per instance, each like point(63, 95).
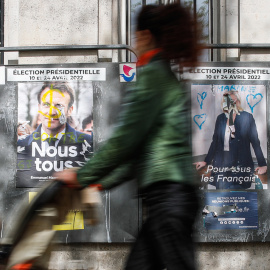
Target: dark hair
point(63, 87)
point(87, 120)
point(175, 32)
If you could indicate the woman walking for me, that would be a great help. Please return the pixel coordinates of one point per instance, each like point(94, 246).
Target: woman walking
point(153, 135)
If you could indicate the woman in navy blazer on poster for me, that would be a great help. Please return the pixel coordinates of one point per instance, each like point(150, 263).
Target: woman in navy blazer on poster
point(232, 166)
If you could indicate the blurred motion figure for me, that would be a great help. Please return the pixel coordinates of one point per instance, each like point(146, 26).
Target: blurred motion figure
point(153, 135)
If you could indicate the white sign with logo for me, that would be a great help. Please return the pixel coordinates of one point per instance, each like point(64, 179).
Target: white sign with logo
point(127, 72)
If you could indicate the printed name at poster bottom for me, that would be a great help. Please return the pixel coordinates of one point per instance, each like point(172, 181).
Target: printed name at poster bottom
point(45, 178)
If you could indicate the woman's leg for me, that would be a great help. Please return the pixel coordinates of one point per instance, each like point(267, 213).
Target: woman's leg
point(166, 238)
point(143, 255)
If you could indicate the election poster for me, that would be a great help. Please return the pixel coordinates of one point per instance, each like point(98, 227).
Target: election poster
point(231, 210)
point(229, 135)
point(55, 129)
point(229, 123)
point(54, 117)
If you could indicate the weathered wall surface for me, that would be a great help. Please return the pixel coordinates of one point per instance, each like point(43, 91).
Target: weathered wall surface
point(92, 256)
point(254, 24)
point(243, 21)
point(242, 256)
point(221, 256)
point(53, 23)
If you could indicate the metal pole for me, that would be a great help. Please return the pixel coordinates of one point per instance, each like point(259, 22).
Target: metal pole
point(64, 48)
point(67, 47)
point(211, 20)
point(124, 47)
point(239, 46)
point(2, 31)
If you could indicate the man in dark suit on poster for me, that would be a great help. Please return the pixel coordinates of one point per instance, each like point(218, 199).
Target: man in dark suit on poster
point(55, 144)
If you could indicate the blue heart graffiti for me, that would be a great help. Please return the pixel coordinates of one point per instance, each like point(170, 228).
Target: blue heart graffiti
point(199, 119)
point(254, 98)
point(201, 98)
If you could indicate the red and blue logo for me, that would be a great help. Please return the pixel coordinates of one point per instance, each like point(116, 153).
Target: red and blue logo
point(127, 72)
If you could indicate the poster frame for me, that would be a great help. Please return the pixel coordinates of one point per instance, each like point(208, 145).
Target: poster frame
point(261, 234)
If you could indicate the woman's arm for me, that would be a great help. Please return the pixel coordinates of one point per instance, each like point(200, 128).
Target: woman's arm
point(136, 119)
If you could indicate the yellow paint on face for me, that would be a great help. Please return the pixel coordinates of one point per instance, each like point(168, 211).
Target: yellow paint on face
point(50, 116)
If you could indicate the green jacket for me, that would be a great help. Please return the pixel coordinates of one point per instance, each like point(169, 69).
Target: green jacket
point(152, 135)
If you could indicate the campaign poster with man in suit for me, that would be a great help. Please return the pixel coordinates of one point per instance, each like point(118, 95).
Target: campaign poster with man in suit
point(53, 132)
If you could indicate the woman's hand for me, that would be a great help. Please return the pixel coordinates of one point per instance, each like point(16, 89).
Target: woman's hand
point(69, 177)
point(200, 165)
point(261, 170)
